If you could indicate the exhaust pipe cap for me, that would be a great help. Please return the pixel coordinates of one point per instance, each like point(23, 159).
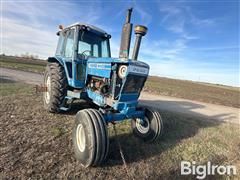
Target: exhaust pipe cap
point(139, 29)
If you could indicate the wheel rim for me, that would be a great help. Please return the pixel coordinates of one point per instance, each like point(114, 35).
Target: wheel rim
point(142, 128)
point(81, 138)
point(48, 85)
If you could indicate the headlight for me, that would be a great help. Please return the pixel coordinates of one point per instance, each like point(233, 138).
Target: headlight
point(122, 71)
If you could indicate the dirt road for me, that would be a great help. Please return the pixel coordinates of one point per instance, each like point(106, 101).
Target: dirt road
point(194, 108)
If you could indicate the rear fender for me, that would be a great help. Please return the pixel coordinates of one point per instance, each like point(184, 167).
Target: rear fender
point(54, 59)
point(60, 61)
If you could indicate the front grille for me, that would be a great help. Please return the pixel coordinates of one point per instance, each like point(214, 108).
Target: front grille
point(133, 84)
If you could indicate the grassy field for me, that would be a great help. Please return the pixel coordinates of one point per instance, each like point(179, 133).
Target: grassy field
point(35, 144)
point(23, 64)
point(210, 93)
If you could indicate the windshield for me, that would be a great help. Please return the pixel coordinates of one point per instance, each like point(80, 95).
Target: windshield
point(91, 44)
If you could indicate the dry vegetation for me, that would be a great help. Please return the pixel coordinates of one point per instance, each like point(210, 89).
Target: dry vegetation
point(35, 144)
point(210, 93)
point(32, 65)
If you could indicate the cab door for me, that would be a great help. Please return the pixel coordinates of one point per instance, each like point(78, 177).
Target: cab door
point(71, 61)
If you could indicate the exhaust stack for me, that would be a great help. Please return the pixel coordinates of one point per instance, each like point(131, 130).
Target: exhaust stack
point(126, 36)
point(140, 31)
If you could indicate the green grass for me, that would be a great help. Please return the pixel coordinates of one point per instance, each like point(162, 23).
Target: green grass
point(185, 138)
point(9, 87)
point(22, 66)
point(58, 131)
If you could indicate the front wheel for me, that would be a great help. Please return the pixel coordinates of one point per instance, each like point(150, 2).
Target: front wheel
point(151, 128)
point(90, 137)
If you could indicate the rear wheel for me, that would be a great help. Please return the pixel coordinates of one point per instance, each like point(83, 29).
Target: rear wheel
point(151, 128)
point(56, 82)
point(90, 137)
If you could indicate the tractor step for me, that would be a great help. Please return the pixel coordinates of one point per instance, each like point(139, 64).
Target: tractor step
point(73, 94)
point(64, 106)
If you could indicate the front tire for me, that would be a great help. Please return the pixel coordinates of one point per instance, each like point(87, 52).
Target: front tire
point(151, 129)
point(90, 137)
point(56, 82)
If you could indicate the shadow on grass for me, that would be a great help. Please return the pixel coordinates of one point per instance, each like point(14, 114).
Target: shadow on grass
point(78, 105)
point(177, 127)
point(6, 80)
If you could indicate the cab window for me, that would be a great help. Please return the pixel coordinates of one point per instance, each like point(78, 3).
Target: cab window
point(60, 44)
point(69, 42)
point(91, 44)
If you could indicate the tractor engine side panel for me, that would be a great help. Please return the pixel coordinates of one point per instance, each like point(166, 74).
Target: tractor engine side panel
point(98, 81)
point(99, 69)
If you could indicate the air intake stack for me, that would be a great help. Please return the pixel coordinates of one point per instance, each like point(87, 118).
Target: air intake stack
point(140, 31)
point(126, 36)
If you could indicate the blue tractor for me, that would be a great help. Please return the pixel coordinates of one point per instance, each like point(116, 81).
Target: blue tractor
point(83, 68)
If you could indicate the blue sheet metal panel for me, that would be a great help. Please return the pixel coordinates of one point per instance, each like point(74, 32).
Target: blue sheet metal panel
point(58, 58)
point(117, 60)
point(75, 83)
point(97, 98)
point(74, 75)
point(128, 97)
point(107, 60)
point(139, 63)
point(138, 70)
point(129, 108)
point(120, 116)
point(125, 106)
point(71, 81)
point(99, 69)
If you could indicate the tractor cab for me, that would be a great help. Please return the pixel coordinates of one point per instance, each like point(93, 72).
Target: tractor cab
point(77, 43)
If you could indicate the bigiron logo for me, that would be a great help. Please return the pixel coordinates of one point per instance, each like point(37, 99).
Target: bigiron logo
point(188, 168)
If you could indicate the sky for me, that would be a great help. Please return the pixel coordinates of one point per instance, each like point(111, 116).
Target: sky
point(193, 40)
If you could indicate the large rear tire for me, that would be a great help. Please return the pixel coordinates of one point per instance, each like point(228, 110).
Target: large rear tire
point(90, 137)
point(151, 129)
point(56, 82)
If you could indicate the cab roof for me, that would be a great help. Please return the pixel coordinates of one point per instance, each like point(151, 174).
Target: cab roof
point(87, 25)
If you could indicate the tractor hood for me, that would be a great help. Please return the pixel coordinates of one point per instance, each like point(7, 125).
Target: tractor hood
point(103, 67)
point(118, 61)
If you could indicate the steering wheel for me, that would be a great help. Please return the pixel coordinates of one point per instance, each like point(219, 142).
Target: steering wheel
point(84, 53)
